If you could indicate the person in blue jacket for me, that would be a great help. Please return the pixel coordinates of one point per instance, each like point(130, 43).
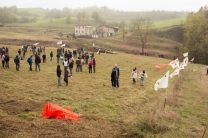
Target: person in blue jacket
point(29, 60)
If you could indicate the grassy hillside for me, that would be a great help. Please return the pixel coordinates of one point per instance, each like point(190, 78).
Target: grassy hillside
point(168, 23)
point(130, 111)
point(38, 17)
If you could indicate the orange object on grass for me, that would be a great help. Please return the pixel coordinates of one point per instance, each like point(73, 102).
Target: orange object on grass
point(161, 66)
point(54, 111)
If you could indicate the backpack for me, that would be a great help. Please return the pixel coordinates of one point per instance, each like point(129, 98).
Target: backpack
point(28, 60)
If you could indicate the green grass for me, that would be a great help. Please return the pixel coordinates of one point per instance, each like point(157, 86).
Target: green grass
point(169, 22)
point(43, 23)
point(130, 111)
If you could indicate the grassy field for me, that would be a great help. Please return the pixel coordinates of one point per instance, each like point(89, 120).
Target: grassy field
point(61, 23)
point(129, 111)
point(168, 23)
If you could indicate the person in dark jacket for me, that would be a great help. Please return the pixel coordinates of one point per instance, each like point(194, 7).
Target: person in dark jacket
point(58, 73)
point(37, 62)
point(17, 62)
point(90, 66)
point(66, 75)
point(51, 56)
point(113, 78)
point(86, 58)
point(94, 65)
point(78, 63)
point(6, 59)
point(117, 75)
point(19, 51)
point(71, 64)
point(44, 58)
point(29, 60)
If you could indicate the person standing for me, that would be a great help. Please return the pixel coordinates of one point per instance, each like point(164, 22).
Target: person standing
point(143, 75)
point(113, 77)
point(134, 75)
point(94, 65)
point(71, 64)
point(86, 58)
point(44, 58)
point(58, 57)
point(51, 56)
point(19, 51)
point(6, 58)
point(117, 75)
point(58, 73)
point(66, 64)
point(17, 62)
point(37, 62)
point(66, 75)
point(78, 67)
point(3, 60)
point(90, 66)
point(29, 60)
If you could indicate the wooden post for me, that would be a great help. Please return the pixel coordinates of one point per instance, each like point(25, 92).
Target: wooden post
point(164, 104)
point(204, 131)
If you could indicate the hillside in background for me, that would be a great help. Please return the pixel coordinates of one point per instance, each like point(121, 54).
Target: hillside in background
point(25, 24)
point(40, 17)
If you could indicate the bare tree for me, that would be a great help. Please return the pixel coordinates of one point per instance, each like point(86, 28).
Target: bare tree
point(141, 30)
point(123, 27)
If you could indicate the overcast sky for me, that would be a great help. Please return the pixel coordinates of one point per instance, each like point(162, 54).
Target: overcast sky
point(127, 5)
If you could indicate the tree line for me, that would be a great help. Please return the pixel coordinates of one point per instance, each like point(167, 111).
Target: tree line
point(196, 35)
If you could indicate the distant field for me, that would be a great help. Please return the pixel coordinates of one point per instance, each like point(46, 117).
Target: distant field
point(130, 111)
point(61, 23)
point(169, 22)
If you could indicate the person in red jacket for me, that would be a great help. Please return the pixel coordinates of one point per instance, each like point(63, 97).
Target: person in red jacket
point(90, 66)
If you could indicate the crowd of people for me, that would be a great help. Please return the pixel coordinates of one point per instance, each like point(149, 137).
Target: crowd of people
point(67, 58)
point(80, 57)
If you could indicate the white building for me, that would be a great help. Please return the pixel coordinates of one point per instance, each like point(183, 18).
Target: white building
point(93, 32)
point(106, 31)
point(84, 30)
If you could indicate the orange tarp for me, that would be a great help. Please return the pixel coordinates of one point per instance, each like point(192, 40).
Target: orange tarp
point(161, 66)
point(54, 111)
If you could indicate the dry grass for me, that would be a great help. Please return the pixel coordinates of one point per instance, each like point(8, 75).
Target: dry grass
point(130, 111)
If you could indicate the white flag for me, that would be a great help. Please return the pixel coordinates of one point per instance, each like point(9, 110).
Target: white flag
point(36, 44)
point(162, 82)
point(192, 60)
point(63, 45)
point(98, 51)
point(174, 64)
point(175, 72)
point(59, 42)
point(181, 66)
point(185, 61)
point(185, 54)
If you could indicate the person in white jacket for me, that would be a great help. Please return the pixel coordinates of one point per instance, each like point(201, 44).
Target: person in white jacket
point(134, 75)
point(143, 75)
